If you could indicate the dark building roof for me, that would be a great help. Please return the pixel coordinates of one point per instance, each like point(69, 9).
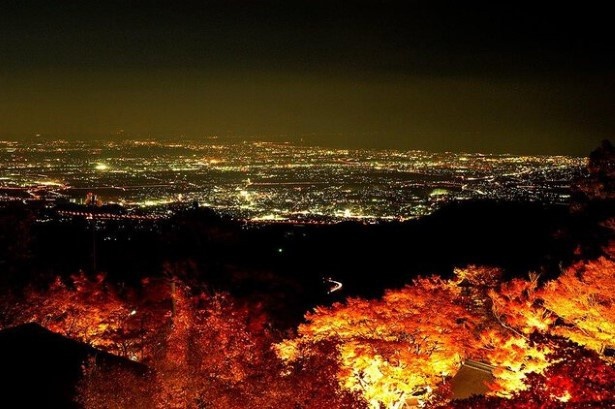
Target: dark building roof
point(39, 368)
point(471, 379)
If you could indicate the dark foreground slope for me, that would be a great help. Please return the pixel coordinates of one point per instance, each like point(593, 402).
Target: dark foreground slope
point(40, 369)
point(285, 265)
point(518, 237)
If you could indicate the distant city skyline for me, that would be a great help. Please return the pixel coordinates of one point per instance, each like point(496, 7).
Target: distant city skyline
point(267, 182)
point(520, 78)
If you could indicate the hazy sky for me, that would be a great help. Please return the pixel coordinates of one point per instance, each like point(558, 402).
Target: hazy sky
point(459, 75)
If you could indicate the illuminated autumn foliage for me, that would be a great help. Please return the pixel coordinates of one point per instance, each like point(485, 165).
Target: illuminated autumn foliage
point(213, 347)
point(395, 350)
point(478, 277)
point(515, 305)
point(576, 378)
point(584, 298)
point(514, 357)
point(115, 388)
point(404, 345)
point(83, 309)
point(208, 349)
point(218, 354)
point(91, 310)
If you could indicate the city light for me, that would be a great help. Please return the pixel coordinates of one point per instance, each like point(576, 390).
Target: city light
point(278, 182)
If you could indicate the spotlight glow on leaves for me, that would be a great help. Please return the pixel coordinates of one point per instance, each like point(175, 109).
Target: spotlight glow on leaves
point(393, 352)
point(406, 344)
point(396, 348)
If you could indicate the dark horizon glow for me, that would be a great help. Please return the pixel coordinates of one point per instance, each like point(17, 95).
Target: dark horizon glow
point(478, 77)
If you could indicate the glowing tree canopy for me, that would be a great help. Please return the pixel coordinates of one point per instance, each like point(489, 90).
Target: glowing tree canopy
point(396, 349)
point(584, 297)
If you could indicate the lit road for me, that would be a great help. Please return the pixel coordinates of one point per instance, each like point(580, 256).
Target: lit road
point(336, 285)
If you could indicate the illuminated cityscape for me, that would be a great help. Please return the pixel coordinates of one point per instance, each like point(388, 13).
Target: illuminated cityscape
point(307, 204)
point(265, 181)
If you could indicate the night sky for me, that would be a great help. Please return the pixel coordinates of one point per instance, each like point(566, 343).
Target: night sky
point(493, 76)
